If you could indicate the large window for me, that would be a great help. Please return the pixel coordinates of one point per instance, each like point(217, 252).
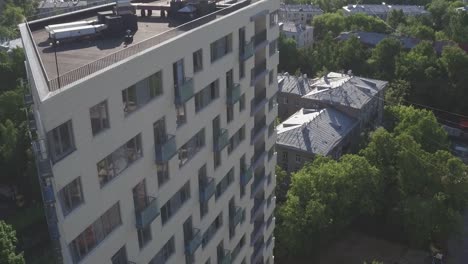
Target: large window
point(206, 96)
point(198, 60)
point(120, 257)
point(144, 236)
point(141, 93)
point(175, 203)
point(224, 183)
point(221, 47)
point(212, 229)
point(192, 147)
point(164, 253)
point(119, 160)
point(61, 141)
point(99, 117)
point(71, 196)
point(95, 233)
point(236, 139)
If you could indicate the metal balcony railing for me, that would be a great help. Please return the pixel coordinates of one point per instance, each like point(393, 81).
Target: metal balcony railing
point(260, 37)
point(222, 140)
point(233, 94)
point(44, 166)
point(207, 191)
point(247, 51)
point(166, 150)
point(147, 212)
point(246, 175)
point(184, 90)
point(48, 194)
point(194, 242)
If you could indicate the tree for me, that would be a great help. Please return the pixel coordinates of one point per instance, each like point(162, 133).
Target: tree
point(362, 22)
point(352, 56)
point(397, 92)
point(383, 58)
point(288, 54)
point(455, 63)
point(8, 242)
point(395, 18)
point(333, 23)
point(283, 180)
point(438, 10)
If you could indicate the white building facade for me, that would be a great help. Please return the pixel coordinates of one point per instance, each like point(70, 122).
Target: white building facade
point(166, 155)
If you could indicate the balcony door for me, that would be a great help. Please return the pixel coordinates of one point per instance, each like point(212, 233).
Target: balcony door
point(159, 128)
point(139, 195)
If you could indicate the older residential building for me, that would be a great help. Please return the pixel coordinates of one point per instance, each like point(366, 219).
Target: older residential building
point(155, 151)
point(383, 10)
point(358, 97)
point(311, 132)
point(303, 14)
point(303, 35)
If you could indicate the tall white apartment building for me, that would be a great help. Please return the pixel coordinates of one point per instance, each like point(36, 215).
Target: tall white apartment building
point(160, 150)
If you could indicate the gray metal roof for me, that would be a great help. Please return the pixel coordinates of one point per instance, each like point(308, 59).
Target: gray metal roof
point(293, 84)
point(343, 89)
point(300, 8)
point(315, 131)
point(375, 9)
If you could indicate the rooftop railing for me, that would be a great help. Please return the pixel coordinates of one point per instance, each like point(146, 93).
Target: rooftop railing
point(97, 65)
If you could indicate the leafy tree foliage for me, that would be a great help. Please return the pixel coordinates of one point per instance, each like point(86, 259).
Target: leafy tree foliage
point(8, 242)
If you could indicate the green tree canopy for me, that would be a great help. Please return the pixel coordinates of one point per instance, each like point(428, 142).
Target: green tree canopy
point(8, 242)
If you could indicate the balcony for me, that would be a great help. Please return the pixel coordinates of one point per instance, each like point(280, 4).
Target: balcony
point(28, 99)
point(258, 130)
point(257, 233)
point(258, 158)
point(257, 185)
point(233, 94)
point(258, 72)
point(48, 194)
point(146, 212)
point(193, 243)
point(44, 167)
point(258, 209)
point(236, 216)
point(165, 151)
point(258, 102)
point(225, 258)
point(53, 230)
point(246, 175)
point(184, 90)
point(260, 38)
point(207, 191)
point(222, 140)
point(247, 51)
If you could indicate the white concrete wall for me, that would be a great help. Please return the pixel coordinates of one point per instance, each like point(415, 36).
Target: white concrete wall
point(74, 101)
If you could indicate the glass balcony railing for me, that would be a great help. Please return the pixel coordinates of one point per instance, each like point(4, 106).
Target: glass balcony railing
point(258, 72)
point(48, 194)
point(236, 216)
point(184, 90)
point(165, 151)
point(222, 140)
point(247, 51)
point(225, 258)
point(193, 243)
point(258, 128)
point(257, 185)
point(257, 209)
point(234, 94)
point(147, 212)
point(207, 191)
point(246, 175)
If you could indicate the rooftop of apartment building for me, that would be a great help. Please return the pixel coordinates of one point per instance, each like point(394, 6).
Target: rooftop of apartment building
point(315, 131)
point(384, 8)
point(293, 27)
point(300, 8)
point(335, 88)
point(373, 38)
point(79, 57)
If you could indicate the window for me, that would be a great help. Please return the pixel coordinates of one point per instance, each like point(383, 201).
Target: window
point(119, 160)
point(212, 229)
point(95, 233)
point(142, 92)
point(222, 186)
point(207, 95)
point(273, 18)
point(221, 47)
point(61, 141)
point(272, 102)
point(192, 147)
point(120, 257)
point(71, 196)
point(164, 253)
point(229, 113)
point(273, 47)
point(271, 76)
point(144, 236)
point(242, 103)
point(181, 115)
point(298, 158)
point(271, 128)
point(241, 69)
point(163, 173)
point(175, 203)
point(243, 169)
point(99, 117)
point(271, 152)
point(198, 60)
point(236, 139)
point(285, 156)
